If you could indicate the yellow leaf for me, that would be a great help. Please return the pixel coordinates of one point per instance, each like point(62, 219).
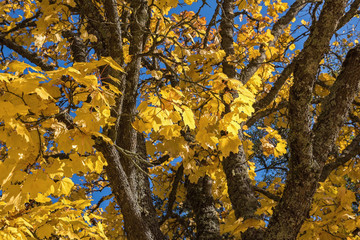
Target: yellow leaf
point(45, 231)
point(64, 186)
point(188, 117)
point(89, 80)
point(262, 184)
point(42, 198)
point(113, 88)
point(156, 74)
point(56, 168)
point(14, 201)
point(280, 149)
point(189, 2)
point(9, 109)
point(16, 66)
point(255, 223)
point(42, 93)
point(6, 173)
point(206, 139)
point(112, 63)
point(170, 131)
point(267, 147)
point(106, 112)
point(292, 47)
point(64, 141)
point(229, 144)
point(84, 143)
point(20, 129)
point(105, 138)
point(228, 97)
point(37, 182)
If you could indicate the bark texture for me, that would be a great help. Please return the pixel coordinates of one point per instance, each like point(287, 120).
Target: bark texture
point(235, 166)
point(130, 185)
point(125, 136)
point(304, 168)
point(202, 202)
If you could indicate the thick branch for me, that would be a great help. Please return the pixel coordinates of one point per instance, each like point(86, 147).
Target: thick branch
point(143, 191)
point(135, 224)
point(265, 101)
point(77, 46)
point(115, 40)
point(351, 151)
point(336, 105)
point(31, 56)
point(124, 134)
point(304, 171)
point(354, 9)
point(89, 11)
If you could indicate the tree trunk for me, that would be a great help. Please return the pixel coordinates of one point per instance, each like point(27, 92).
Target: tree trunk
point(202, 202)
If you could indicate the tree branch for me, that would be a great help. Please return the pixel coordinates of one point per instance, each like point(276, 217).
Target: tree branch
point(77, 46)
point(354, 9)
point(265, 101)
point(351, 151)
point(25, 23)
point(259, 115)
point(304, 170)
point(31, 56)
point(202, 202)
point(235, 166)
point(172, 194)
point(336, 105)
point(276, 31)
point(115, 40)
point(266, 193)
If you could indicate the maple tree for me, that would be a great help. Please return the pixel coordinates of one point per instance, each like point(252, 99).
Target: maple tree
point(239, 125)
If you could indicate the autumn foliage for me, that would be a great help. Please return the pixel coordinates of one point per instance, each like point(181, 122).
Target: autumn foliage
point(207, 120)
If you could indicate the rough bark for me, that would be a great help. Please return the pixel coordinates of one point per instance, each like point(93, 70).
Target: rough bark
point(115, 38)
point(334, 113)
point(304, 170)
point(347, 154)
point(125, 177)
point(227, 35)
point(136, 226)
point(235, 166)
point(354, 9)
point(125, 135)
point(77, 46)
point(202, 202)
point(144, 194)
